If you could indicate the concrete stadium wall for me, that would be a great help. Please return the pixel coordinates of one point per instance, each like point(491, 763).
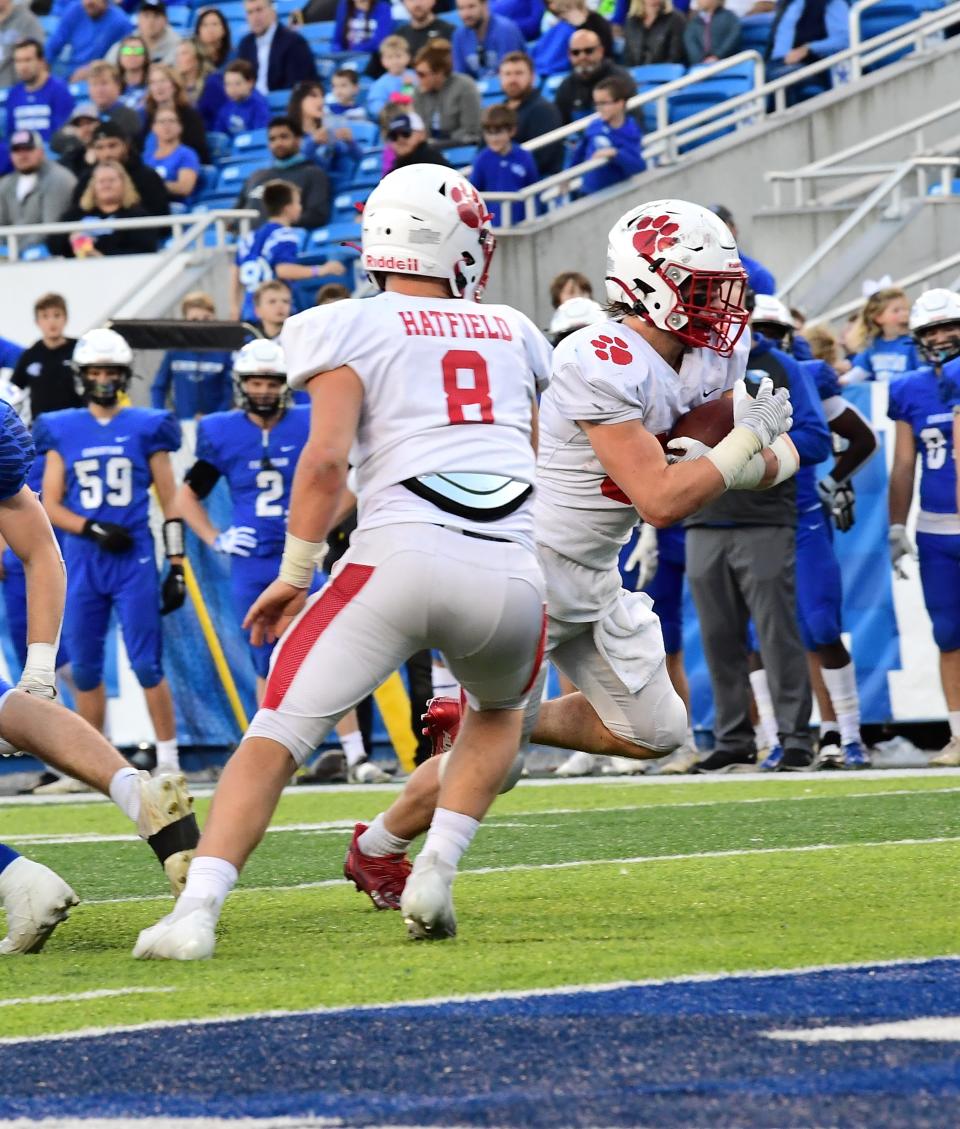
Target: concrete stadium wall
point(731, 171)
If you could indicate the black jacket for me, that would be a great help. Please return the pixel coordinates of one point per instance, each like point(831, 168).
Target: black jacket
point(153, 194)
point(314, 185)
point(574, 95)
point(662, 42)
point(135, 242)
point(291, 60)
point(536, 116)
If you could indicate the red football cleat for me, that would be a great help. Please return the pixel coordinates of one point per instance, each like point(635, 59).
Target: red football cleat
point(441, 723)
point(381, 878)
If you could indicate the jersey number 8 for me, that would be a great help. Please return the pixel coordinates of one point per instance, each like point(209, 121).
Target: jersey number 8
point(935, 443)
point(114, 486)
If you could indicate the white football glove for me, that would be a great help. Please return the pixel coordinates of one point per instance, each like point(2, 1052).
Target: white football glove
point(645, 557)
point(900, 546)
point(238, 541)
point(839, 498)
point(683, 449)
point(42, 683)
point(768, 414)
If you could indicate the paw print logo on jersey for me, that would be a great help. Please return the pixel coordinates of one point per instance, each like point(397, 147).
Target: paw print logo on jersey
point(612, 349)
point(654, 235)
point(470, 207)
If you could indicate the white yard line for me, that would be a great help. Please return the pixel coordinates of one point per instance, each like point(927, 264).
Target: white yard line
point(480, 997)
point(935, 1029)
point(71, 997)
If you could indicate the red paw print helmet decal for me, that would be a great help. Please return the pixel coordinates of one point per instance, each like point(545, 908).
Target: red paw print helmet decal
point(655, 234)
point(612, 349)
point(470, 207)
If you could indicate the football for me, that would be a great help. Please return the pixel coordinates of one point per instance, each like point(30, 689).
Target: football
point(709, 422)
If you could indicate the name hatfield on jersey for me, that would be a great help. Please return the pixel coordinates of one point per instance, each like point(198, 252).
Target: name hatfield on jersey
point(451, 323)
point(95, 452)
point(276, 462)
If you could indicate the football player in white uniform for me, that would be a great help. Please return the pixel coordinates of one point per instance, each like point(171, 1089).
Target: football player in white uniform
point(675, 289)
point(436, 395)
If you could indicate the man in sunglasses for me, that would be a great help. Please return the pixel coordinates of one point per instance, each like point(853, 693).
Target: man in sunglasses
point(574, 97)
point(407, 137)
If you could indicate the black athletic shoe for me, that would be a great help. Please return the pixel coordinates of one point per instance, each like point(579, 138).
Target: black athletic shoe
point(796, 760)
point(330, 768)
point(723, 760)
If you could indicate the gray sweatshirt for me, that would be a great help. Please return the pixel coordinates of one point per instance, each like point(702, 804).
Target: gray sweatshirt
point(452, 113)
point(46, 201)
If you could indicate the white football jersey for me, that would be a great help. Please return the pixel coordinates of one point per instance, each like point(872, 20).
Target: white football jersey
point(607, 373)
point(449, 387)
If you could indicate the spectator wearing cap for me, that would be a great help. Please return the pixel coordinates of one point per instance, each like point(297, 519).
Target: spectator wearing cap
point(154, 29)
point(105, 88)
point(38, 190)
point(89, 28)
point(574, 97)
point(483, 40)
point(448, 103)
point(535, 114)
point(284, 138)
point(111, 144)
point(72, 141)
point(109, 195)
point(39, 101)
point(759, 279)
point(17, 23)
point(406, 138)
point(280, 56)
point(550, 53)
point(245, 108)
point(502, 166)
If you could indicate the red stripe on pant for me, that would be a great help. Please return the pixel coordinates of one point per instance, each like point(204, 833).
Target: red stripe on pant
point(298, 644)
point(538, 657)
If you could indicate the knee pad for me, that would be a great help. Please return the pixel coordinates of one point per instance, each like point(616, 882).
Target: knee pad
point(148, 675)
point(87, 676)
point(664, 717)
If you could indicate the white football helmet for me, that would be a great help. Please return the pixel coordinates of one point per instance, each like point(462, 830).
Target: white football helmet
point(428, 220)
point(676, 265)
point(102, 348)
point(573, 314)
point(937, 309)
point(262, 358)
point(772, 318)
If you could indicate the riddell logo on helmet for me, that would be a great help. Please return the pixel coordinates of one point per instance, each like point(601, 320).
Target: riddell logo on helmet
point(390, 262)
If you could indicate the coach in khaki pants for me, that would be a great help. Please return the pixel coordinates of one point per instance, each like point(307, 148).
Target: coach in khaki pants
point(741, 565)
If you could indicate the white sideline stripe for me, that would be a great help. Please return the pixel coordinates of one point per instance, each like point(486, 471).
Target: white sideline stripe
point(936, 1029)
point(569, 865)
point(480, 997)
point(71, 997)
point(713, 780)
point(335, 826)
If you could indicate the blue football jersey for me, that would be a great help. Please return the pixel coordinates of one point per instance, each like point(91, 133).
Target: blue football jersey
point(258, 255)
point(258, 466)
point(16, 452)
point(920, 399)
point(886, 360)
point(108, 463)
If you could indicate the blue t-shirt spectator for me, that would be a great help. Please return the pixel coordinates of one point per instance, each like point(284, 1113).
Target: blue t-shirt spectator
point(885, 360)
point(526, 14)
point(89, 38)
point(357, 30)
point(479, 59)
point(240, 117)
point(627, 162)
point(384, 88)
point(549, 53)
point(504, 172)
point(167, 167)
point(43, 110)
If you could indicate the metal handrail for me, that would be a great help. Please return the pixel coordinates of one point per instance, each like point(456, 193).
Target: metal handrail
point(903, 283)
point(196, 222)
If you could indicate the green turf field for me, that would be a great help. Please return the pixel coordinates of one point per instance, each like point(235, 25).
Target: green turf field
point(585, 883)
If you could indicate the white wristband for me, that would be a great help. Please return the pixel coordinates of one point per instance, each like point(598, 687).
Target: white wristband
point(787, 457)
point(300, 560)
point(41, 657)
point(733, 452)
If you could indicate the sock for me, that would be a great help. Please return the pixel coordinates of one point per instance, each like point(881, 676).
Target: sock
point(767, 724)
point(450, 834)
point(377, 841)
point(690, 741)
point(828, 727)
point(841, 684)
point(168, 756)
point(352, 745)
point(125, 791)
point(444, 684)
point(209, 877)
point(7, 856)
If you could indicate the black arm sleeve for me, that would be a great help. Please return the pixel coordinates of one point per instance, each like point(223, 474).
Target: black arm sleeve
point(201, 478)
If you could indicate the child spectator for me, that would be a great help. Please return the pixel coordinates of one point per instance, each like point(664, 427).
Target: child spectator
point(39, 101)
point(503, 166)
point(346, 91)
point(200, 380)
point(45, 370)
point(271, 251)
point(825, 346)
point(613, 134)
point(887, 350)
point(132, 61)
point(362, 25)
point(324, 141)
point(569, 284)
point(398, 78)
point(332, 292)
point(246, 108)
point(272, 305)
point(177, 165)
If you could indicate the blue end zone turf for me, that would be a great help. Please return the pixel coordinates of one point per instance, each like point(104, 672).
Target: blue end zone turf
point(680, 1053)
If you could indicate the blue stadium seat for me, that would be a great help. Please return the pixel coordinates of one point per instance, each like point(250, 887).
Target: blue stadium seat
point(755, 32)
point(252, 139)
point(657, 73)
point(368, 173)
point(884, 16)
point(180, 17)
point(460, 155)
point(333, 234)
point(233, 10)
point(277, 100)
point(318, 34)
point(700, 96)
point(219, 144)
point(344, 203)
point(937, 190)
point(366, 134)
point(490, 84)
point(79, 90)
point(550, 85)
point(232, 176)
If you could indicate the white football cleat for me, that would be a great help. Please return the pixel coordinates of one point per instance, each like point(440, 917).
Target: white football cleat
point(36, 900)
point(949, 755)
point(167, 822)
point(189, 933)
point(366, 772)
point(676, 763)
point(578, 764)
point(625, 766)
point(427, 900)
point(62, 786)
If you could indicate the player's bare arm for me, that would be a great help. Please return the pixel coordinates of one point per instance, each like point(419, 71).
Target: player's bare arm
point(191, 509)
point(902, 473)
point(161, 470)
point(54, 488)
